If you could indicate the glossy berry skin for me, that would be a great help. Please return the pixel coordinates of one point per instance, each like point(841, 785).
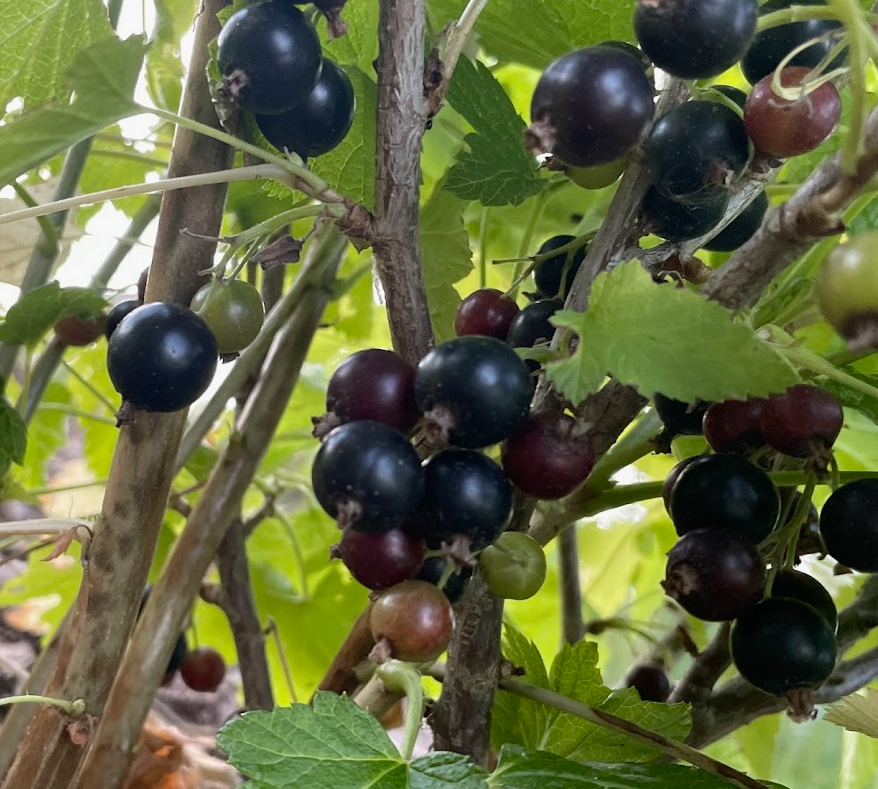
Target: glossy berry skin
point(742, 228)
point(650, 681)
point(734, 425)
point(78, 332)
point(714, 574)
point(849, 525)
point(531, 326)
point(675, 221)
point(475, 388)
point(415, 618)
point(771, 46)
point(466, 493)
point(803, 420)
point(680, 419)
point(379, 560)
point(807, 589)
point(377, 385)
point(694, 151)
point(319, 123)
point(671, 480)
point(367, 476)
point(782, 127)
point(269, 56)
point(115, 315)
point(233, 310)
point(725, 492)
point(695, 39)
point(487, 311)
point(590, 107)
point(730, 92)
point(203, 669)
point(514, 566)
point(162, 357)
point(549, 457)
point(783, 644)
point(432, 571)
point(547, 274)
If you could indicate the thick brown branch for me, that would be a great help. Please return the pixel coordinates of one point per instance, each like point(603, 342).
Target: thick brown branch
point(572, 624)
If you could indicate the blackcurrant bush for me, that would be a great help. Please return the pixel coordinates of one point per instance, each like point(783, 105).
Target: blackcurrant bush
point(782, 644)
point(590, 107)
point(514, 566)
point(531, 326)
point(847, 290)
point(675, 221)
point(233, 310)
point(714, 574)
point(734, 425)
point(771, 46)
point(466, 493)
point(803, 587)
point(679, 418)
point(742, 228)
point(548, 273)
point(671, 480)
point(368, 476)
point(115, 315)
point(695, 39)
point(549, 457)
point(269, 57)
point(849, 525)
point(320, 122)
point(473, 390)
point(379, 560)
point(726, 492)
point(487, 311)
point(203, 669)
point(802, 422)
point(696, 150)
point(373, 384)
point(650, 681)
point(433, 570)
point(412, 621)
point(162, 357)
point(78, 332)
point(790, 127)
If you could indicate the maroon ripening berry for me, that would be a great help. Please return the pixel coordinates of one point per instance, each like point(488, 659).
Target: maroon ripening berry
point(803, 422)
point(487, 311)
point(734, 425)
point(379, 560)
point(203, 669)
point(411, 621)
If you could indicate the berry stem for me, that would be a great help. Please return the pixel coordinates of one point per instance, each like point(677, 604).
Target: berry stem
point(80, 529)
point(850, 13)
point(75, 708)
point(635, 444)
point(401, 677)
point(457, 37)
point(484, 224)
point(271, 629)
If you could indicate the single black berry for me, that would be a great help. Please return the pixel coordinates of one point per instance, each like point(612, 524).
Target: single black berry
point(679, 418)
point(807, 589)
point(849, 525)
point(650, 681)
point(433, 570)
point(742, 228)
point(675, 221)
point(548, 273)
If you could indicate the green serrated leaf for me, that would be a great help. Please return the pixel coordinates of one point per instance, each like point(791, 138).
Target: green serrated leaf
point(855, 398)
point(40, 39)
point(332, 743)
point(359, 46)
point(664, 339)
point(103, 78)
point(36, 312)
point(443, 770)
point(13, 436)
point(496, 169)
point(857, 712)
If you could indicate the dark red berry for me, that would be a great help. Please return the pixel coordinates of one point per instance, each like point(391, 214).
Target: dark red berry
point(734, 425)
point(849, 525)
point(487, 312)
point(379, 560)
point(203, 669)
point(412, 621)
point(802, 422)
point(78, 332)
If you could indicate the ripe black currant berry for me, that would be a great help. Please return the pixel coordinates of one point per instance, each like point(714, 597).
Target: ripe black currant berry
point(730, 92)
point(411, 621)
point(629, 49)
point(432, 571)
point(849, 525)
point(802, 422)
point(782, 644)
point(373, 384)
point(549, 457)
point(368, 476)
point(162, 357)
point(671, 480)
point(726, 492)
point(531, 326)
point(650, 681)
point(474, 391)
point(379, 560)
point(320, 122)
point(203, 669)
point(742, 228)
point(548, 273)
point(734, 425)
point(695, 39)
point(487, 311)
point(790, 127)
point(714, 574)
point(465, 494)
point(675, 221)
point(696, 150)
point(590, 107)
point(807, 589)
point(269, 57)
point(78, 332)
point(771, 46)
point(115, 315)
point(679, 418)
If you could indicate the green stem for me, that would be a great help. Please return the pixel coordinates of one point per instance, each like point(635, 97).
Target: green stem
point(272, 629)
point(50, 233)
point(79, 412)
point(850, 13)
point(796, 13)
point(399, 677)
point(633, 445)
point(802, 357)
point(527, 238)
point(483, 245)
point(75, 709)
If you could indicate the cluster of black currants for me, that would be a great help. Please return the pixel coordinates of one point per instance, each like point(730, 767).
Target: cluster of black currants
point(271, 64)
